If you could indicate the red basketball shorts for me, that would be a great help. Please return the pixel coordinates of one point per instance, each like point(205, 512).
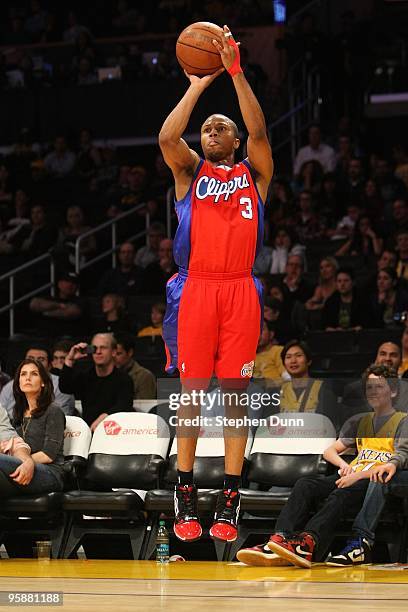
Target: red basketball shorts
point(213, 323)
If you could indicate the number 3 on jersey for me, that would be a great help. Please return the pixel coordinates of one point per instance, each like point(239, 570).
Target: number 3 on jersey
point(247, 213)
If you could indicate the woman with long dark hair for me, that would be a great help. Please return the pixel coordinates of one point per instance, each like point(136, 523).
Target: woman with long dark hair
point(41, 424)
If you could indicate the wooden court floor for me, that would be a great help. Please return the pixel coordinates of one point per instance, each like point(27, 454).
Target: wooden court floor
point(91, 585)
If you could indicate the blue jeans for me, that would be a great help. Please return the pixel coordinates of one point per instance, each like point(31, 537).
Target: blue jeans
point(44, 479)
point(366, 521)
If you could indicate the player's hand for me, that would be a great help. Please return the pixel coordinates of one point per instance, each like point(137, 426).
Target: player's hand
point(229, 51)
point(204, 81)
point(383, 473)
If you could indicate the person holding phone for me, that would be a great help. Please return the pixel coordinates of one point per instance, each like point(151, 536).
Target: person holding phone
point(102, 388)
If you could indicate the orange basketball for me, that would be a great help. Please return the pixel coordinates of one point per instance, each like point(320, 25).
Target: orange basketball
point(195, 51)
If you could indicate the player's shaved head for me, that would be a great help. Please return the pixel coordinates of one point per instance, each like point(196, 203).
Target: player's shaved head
point(222, 118)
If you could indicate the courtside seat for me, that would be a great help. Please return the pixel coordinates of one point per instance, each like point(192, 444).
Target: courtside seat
point(208, 476)
point(279, 457)
point(126, 456)
point(44, 511)
point(111, 502)
point(44, 505)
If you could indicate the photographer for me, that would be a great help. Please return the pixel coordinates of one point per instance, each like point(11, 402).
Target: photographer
point(101, 387)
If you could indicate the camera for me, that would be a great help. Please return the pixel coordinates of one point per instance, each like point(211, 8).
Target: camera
point(88, 350)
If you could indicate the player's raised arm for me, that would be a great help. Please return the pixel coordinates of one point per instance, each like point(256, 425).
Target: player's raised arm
point(179, 157)
point(258, 147)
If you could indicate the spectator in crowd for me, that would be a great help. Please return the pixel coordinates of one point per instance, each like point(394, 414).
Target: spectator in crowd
point(5, 185)
point(399, 217)
point(60, 315)
point(59, 352)
point(74, 29)
point(114, 318)
point(388, 301)
point(403, 367)
point(36, 22)
point(391, 187)
point(303, 393)
point(150, 253)
point(354, 400)
point(159, 272)
point(74, 228)
point(329, 203)
point(310, 177)
point(273, 260)
point(400, 156)
point(402, 250)
point(315, 150)
point(102, 388)
point(41, 354)
point(281, 201)
point(353, 184)
point(126, 279)
point(4, 379)
point(157, 316)
point(387, 259)
point(307, 223)
point(89, 157)
point(86, 73)
point(42, 235)
point(144, 381)
point(40, 423)
point(343, 310)
point(268, 363)
point(61, 161)
point(371, 201)
point(344, 491)
point(295, 288)
point(344, 154)
point(345, 226)
point(364, 240)
point(135, 191)
point(12, 446)
point(327, 284)
point(17, 226)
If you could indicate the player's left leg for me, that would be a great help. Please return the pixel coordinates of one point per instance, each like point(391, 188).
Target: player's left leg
point(239, 312)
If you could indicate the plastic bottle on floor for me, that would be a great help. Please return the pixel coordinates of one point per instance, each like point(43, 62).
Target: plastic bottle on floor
point(162, 544)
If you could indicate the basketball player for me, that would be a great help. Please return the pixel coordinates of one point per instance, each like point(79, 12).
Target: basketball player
point(213, 318)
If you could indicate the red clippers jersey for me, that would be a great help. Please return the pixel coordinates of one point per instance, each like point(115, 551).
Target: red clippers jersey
point(220, 220)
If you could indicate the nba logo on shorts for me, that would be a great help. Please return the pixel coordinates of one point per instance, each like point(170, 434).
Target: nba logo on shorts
point(247, 369)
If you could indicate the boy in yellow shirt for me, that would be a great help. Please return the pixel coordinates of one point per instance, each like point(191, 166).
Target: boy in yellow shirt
point(381, 440)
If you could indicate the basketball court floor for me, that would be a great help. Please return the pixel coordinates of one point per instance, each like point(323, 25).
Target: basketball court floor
point(89, 585)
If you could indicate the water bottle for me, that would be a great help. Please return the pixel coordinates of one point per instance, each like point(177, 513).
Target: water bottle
point(162, 544)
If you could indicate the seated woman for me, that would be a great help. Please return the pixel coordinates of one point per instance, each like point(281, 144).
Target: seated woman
point(326, 285)
point(364, 240)
point(388, 300)
point(40, 423)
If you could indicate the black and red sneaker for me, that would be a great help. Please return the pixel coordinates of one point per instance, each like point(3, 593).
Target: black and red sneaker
point(261, 556)
point(226, 515)
point(186, 522)
point(297, 550)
